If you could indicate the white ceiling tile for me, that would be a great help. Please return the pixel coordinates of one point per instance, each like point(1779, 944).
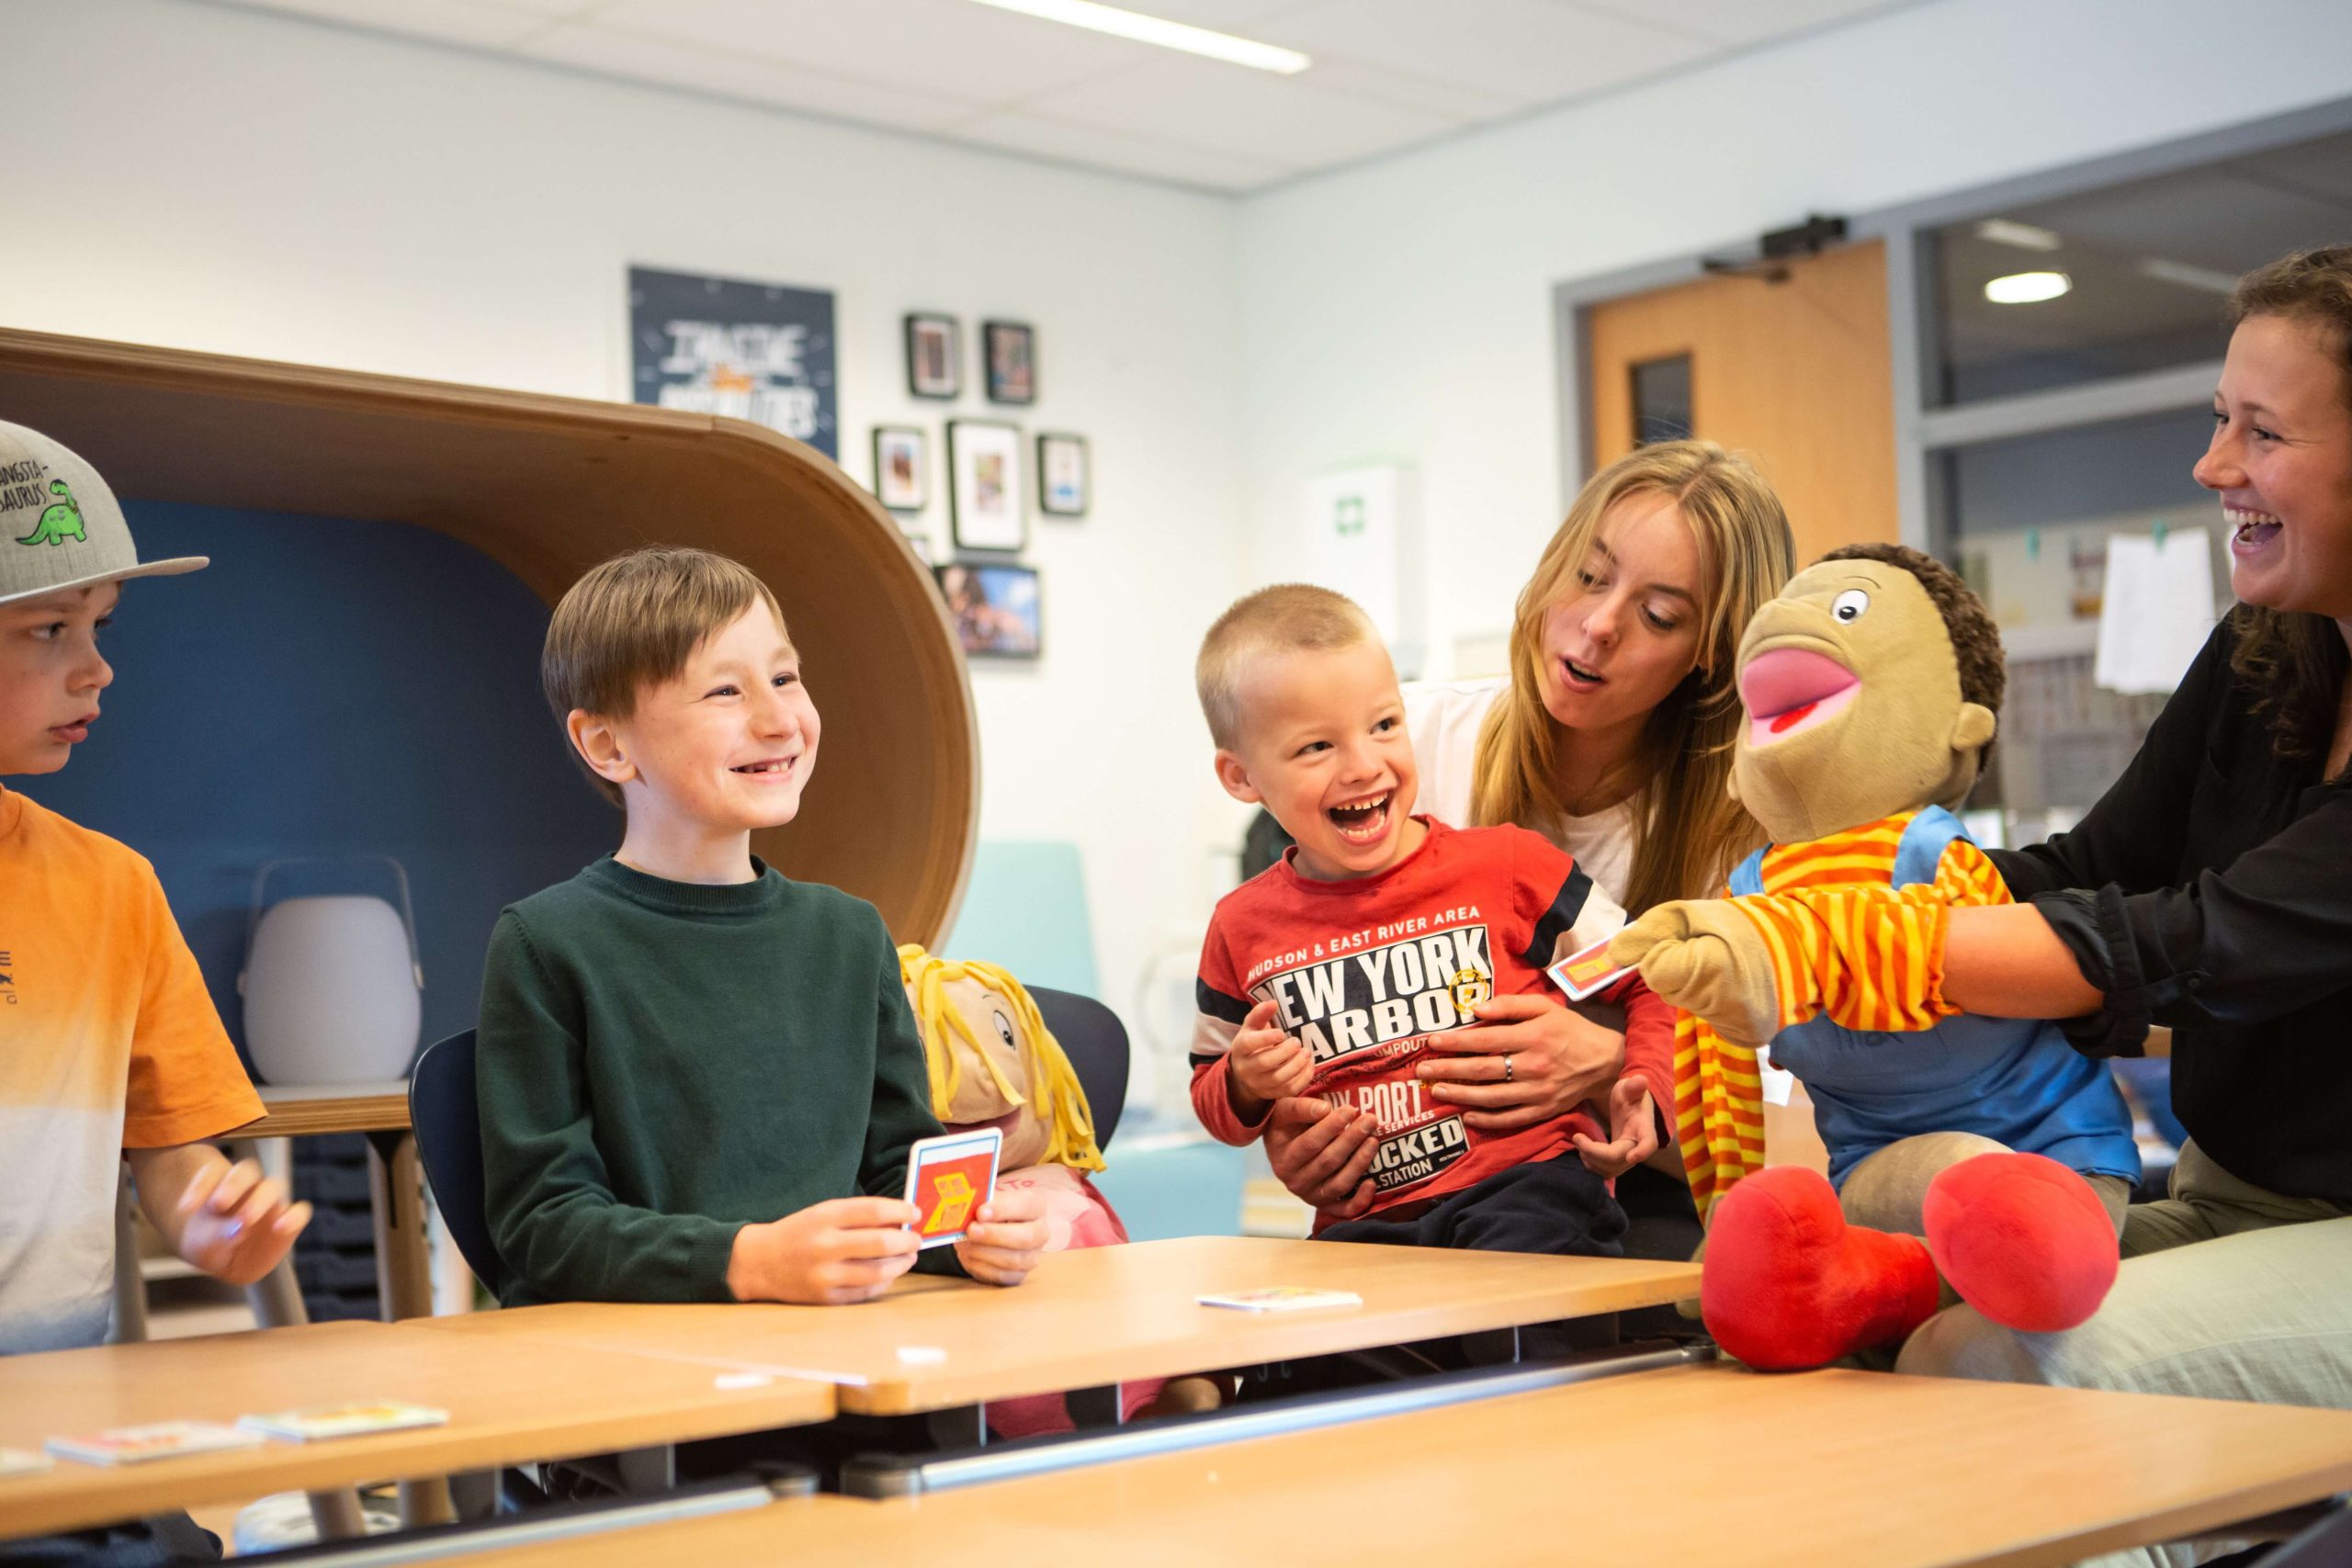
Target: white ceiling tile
point(1737, 21)
point(1408, 90)
point(972, 51)
point(1201, 102)
point(448, 21)
point(1534, 50)
point(739, 75)
point(1126, 154)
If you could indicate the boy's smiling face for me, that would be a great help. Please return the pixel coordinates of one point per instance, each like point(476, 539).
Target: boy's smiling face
point(51, 675)
point(725, 745)
point(1323, 747)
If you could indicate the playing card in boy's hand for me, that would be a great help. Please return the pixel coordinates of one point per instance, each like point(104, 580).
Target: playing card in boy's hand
point(948, 1180)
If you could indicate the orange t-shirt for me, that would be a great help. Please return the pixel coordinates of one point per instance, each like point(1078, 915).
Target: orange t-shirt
point(109, 1041)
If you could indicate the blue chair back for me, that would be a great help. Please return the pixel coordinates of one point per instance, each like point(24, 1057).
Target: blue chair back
point(1096, 1043)
point(442, 1108)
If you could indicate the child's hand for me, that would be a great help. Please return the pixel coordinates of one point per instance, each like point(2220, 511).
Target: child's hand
point(845, 1249)
point(1268, 1064)
point(235, 1223)
point(1634, 1130)
point(1006, 1237)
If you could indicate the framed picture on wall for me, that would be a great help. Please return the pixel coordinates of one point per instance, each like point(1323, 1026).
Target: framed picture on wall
point(995, 608)
point(902, 468)
point(935, 357)
point(1009, 352)
point(984, 495)
point(1063, 485)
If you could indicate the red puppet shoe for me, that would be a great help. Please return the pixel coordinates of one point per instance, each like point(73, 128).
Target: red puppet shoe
point(1788, 1283)
point(2023, 1240)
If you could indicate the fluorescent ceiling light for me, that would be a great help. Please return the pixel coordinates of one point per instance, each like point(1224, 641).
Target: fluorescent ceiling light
point(1156, 29)
point(2024, 236)
point(2188, 276)
point(2028, 288)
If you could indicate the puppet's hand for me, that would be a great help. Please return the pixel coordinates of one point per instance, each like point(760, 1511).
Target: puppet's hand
point(1708, 959)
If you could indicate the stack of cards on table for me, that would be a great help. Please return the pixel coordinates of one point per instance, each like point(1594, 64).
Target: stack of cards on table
point(169, 1439)
point(1282, 1298)
point(948, 1179)
point(159, 1439)
point(344, 1420)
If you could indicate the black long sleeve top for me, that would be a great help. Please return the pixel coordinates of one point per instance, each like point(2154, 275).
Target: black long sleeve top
point(2210, 890)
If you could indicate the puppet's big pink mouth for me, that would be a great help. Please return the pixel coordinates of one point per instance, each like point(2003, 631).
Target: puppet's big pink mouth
point(1789, 690)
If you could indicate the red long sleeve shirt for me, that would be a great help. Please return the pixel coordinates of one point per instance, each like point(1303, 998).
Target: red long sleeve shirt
point(1365, 972)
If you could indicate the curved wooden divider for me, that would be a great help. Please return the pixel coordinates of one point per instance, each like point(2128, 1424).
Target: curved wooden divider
point(548, 487)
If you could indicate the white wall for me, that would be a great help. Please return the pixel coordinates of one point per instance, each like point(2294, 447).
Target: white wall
point(211, 178)
point(216, 179)
point(1402, 310)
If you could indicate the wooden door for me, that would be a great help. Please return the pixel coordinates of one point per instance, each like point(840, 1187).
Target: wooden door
point(1796, 374)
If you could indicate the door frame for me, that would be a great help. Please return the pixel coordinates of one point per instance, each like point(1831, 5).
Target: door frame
point(1922, 431)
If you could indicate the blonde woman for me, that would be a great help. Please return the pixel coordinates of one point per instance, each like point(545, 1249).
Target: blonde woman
point(1612, 737)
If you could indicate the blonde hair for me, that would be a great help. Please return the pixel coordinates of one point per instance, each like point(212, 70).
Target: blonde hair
point(1689, 831)
point(634, 621)
point(1060, 1100)
point(1287, 619)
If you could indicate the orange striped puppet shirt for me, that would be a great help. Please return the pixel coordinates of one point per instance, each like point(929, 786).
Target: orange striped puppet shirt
point(1843, 943)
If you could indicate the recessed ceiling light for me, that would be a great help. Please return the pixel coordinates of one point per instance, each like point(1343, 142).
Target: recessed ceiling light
point(1159, 30)
point(2028, 288)
point(2024, 236)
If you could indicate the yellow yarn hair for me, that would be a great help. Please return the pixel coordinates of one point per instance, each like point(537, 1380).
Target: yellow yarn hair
point(1060, 1100)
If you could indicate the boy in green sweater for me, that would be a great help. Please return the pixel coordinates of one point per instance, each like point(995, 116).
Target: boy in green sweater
point(698, 1081)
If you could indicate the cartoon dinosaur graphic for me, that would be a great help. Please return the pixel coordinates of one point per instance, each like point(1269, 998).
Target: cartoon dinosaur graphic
point(57, 523)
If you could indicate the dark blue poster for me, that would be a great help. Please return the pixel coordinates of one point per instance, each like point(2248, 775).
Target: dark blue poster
point(752, 351)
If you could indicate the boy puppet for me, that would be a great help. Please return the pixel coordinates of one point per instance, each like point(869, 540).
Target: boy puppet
point(1870, 684)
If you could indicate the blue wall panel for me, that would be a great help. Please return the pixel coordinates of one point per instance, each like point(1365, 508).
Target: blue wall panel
point(331, 688)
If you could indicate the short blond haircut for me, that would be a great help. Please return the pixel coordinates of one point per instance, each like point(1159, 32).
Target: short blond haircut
point(1291, 617)
point(633, 622)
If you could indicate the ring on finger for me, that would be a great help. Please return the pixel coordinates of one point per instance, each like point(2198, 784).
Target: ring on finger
point(1507, 1069)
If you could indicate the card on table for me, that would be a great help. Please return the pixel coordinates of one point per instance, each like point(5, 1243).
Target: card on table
point(23, 1461)
point(1586, 974)
point(344, 1420)
point(1282, 1298)
point(948, 1179)
point(160, 1439)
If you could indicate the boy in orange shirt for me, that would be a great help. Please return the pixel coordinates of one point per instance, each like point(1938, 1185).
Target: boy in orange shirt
point(109, 1046)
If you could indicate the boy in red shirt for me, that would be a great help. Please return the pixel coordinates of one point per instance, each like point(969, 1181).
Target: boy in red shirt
point(1328, 973)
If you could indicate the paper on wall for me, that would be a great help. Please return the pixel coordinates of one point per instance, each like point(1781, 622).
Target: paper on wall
point(2157, 610)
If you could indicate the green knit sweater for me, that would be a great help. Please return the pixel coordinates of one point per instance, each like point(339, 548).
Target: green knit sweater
point(661, 1063)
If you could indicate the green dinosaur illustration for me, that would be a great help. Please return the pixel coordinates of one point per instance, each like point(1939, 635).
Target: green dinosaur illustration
point(57, 523)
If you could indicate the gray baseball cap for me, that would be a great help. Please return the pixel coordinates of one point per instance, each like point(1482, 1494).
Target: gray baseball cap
point(59, 525)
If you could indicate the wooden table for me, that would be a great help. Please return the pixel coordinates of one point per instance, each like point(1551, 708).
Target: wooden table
point(1105, 1315)
point(1822, 1469)
point(510, 1401)
point(395, 1181)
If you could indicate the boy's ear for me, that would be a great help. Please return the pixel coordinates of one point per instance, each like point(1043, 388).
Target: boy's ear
point(1234, 775)
point(599, 745)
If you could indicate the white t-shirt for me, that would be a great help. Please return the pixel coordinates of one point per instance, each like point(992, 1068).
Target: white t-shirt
point(1442, 718)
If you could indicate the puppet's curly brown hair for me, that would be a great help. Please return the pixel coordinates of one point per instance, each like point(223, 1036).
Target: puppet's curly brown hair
point(1975, 640)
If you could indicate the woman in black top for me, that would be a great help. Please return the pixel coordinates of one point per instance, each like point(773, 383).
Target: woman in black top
point(2210, 890)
